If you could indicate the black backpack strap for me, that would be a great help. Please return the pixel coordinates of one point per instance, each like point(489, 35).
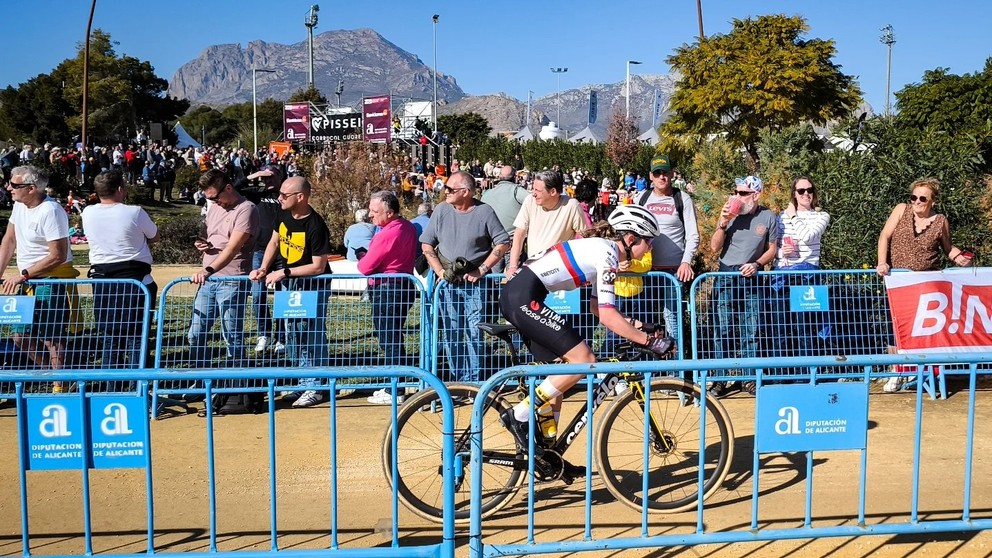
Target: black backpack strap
point(679, 206)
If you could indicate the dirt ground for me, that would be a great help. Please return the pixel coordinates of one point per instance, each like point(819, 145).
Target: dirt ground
point(363, 515)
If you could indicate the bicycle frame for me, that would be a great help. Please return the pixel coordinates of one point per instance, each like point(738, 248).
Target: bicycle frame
point(606, 387)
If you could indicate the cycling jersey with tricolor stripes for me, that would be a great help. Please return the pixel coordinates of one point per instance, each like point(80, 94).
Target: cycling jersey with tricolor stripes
point(583, 261)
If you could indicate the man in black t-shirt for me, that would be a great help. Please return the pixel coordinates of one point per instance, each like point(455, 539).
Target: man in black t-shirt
point(269, 208)
point(301, 239)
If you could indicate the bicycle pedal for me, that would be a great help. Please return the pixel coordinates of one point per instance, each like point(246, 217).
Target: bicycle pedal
point(571, 473)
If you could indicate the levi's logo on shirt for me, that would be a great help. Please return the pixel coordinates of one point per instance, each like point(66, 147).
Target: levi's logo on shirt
point(658, 208)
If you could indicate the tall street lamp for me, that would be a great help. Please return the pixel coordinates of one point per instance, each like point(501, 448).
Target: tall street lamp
point(629, 62)
point(888, 39)
point(559, 72)
point(434, 18)
point(254, 108)
point(311, 22)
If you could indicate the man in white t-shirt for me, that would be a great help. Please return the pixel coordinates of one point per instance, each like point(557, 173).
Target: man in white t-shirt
point(39, 234)
point(119, 236)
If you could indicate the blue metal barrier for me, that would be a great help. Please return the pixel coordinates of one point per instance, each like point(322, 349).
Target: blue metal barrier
point(790, 314)
point(709, 527)
point(215, 326)
point(79, 324)
point(656, 297)
point(65, 422)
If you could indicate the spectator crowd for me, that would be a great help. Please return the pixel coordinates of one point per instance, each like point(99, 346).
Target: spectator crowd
point(472, 220)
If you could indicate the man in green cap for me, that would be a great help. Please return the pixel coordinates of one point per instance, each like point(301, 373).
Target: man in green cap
point(673, 251)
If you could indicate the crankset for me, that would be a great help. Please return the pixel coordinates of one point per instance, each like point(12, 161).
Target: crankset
point(551, 466)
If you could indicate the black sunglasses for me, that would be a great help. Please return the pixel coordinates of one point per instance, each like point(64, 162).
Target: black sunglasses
point(743, 192)
point(658, 173)
point(923, 199)
point(19, 185)
point(802, 191)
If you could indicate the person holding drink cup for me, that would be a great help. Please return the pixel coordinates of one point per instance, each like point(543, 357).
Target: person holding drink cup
point(801, 227)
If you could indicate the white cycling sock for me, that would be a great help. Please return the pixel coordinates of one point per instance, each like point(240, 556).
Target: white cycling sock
point(544, 394)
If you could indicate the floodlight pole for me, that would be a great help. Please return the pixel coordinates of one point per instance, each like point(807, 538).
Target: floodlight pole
point(888, 39)
point(629, 62)
point(311, 22)
point(558, 72)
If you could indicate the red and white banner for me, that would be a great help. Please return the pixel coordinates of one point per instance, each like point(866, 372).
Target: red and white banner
point(941, 311)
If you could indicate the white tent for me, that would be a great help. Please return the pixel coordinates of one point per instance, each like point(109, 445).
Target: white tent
point(183, 138)
point(649, 137)
point(585, 136)
point(523, 135)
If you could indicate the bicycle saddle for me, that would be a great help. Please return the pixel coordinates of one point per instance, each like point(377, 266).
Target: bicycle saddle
point(504, 332)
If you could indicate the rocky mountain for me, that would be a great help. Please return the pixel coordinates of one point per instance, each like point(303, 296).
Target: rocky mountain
point(503, 112)
point(366, 62)
point(370, 65)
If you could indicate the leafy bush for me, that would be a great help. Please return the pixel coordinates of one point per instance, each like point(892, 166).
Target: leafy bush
point(175, 245)
point(858, 189)
point(187, 176)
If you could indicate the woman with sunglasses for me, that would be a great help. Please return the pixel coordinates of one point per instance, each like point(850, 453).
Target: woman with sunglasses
point(913, 238)
point(800, 226)
point(914, 235)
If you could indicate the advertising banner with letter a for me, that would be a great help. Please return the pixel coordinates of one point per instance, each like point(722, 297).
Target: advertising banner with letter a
point(941, 311)
point(376, 119)
point(296, 121)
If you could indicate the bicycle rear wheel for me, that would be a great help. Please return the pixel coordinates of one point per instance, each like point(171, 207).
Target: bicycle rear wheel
point(419, 436)
point(673, 460)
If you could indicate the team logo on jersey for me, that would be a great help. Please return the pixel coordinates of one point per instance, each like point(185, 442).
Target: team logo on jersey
point(535, 305)
point(760, 230)
point(291, 245)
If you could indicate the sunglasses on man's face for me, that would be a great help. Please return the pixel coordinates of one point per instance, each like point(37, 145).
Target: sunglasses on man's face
point(20, 185)
point(923, 199)
point(743, 193)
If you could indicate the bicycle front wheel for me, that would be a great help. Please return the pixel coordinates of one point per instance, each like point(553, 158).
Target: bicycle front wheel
point(673, 447)
point(418, 455)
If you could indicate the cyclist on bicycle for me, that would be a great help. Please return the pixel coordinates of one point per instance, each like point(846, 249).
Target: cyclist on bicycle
point(565, 267)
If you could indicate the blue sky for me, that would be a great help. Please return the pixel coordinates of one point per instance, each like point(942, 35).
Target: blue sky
point(507, 45)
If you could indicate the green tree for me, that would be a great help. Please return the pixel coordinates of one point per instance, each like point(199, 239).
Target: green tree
point(269, 114)
point(952, 104)
point(310, 93)
point(467, 127)
point(124, 95)
point(209, 121)
point(762, 75)
point(36, 111)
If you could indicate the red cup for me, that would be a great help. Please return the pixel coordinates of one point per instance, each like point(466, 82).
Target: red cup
point(734, 205)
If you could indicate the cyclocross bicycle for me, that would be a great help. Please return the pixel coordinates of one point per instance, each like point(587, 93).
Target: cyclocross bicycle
point(673, 463)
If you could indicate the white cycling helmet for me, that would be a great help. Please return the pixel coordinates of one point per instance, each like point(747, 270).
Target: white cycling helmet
point(634, 219)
